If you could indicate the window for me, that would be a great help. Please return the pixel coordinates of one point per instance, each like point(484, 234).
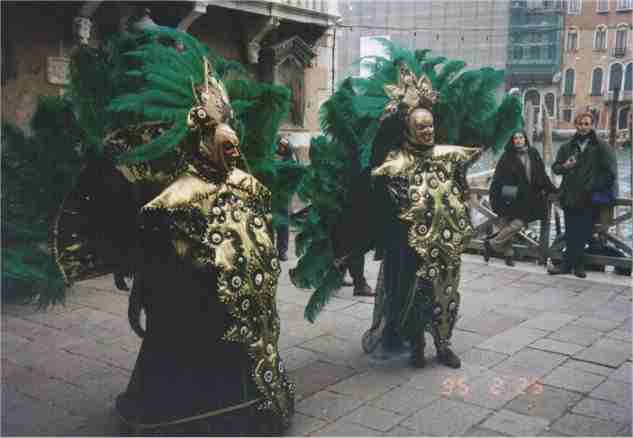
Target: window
point(550, 101)
point(567, 113)
point(518, 52)
point(615, 77)
point(572, 40)
point(573, 7)
point(535, 52)
point(623, 118)
point(628, 78)
point(600, 38)
point(602, 6)
point(620, 38)
point(596, 82)
point(551, 51)
point(624, 5)
point(570, 78)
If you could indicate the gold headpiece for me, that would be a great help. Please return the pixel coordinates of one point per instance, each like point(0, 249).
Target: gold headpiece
point(410, 92)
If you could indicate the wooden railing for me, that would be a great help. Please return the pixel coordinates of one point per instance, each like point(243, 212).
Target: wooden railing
point(547, 247)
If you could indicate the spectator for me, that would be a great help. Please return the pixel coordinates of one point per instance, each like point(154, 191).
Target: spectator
point(284, 153)
point(589, 171)
point(518, 194)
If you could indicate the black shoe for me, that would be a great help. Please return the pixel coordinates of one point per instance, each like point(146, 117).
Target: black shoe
point(364, 290)
point(283, 257)
point(509, 261)
point(557, 270)
point(417, 353)
point(487, 250)
point(580, 271)
point(447, 357)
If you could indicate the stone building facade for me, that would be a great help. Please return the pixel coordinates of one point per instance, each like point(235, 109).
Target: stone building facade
point(597, 61)
point(281, 41)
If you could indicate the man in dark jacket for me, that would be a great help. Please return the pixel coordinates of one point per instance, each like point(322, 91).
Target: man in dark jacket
point(589, 168)
point(518, 193)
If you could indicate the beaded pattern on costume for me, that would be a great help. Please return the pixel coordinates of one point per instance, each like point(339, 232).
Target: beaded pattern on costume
point(237, 240)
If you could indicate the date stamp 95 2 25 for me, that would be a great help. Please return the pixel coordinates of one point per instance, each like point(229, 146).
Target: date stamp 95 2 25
point(498, 387)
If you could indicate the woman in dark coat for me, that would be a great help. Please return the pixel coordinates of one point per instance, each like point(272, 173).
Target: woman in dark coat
point(518, 193)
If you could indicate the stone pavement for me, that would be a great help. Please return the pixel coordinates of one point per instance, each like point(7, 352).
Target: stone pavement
point(542, 356)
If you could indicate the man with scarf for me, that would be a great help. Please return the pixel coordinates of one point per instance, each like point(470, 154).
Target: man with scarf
point(589, 171)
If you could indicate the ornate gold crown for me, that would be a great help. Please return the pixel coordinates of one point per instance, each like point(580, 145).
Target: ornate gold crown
point(410, 92)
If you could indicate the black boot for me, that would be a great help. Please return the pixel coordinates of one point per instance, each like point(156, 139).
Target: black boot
point(446, 357)
point(579, 271)
point(509, 261)
point(487, 250)
point(417, 352)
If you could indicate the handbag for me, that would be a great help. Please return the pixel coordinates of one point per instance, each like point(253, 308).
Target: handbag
point(509, 194)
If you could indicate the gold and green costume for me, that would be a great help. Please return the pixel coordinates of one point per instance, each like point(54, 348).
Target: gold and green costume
point(418, 287)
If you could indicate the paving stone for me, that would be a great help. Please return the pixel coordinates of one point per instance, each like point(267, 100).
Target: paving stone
point(550, 299)
point(106, 423)
point(549, 321)
point(480, 431)
point(373, 418)
point(603, 409)
point(73, 399)
point(404, 400)
point(328, 405)
point(623, 373)
point(615, 391)
point(12, 342)
point(445, 417)
point(576, 335)
point(303, 425)
point(342, 428)
point(515, 424)
point(400, 431)
point(606, 352)
point(483, 358)
point(544, 401)
point(318, 375)
point(488, 324)
point(113, 356)
point(573, 379)
point(517, 312)
point(358, 310)
point(602, 325)
point(339, 351)
point(368, 385)
point(589, 367)
point(554, 346)
point(32, 421)
point(626, 431)
point(511, 341)
point(620, 335)
point(537, 360)
point(579, 425)
point(13, 399)
point(295, 358)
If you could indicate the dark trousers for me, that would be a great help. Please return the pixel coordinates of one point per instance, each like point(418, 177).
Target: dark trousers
point(356, 267)
point(283, 234)
point(578, 228)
